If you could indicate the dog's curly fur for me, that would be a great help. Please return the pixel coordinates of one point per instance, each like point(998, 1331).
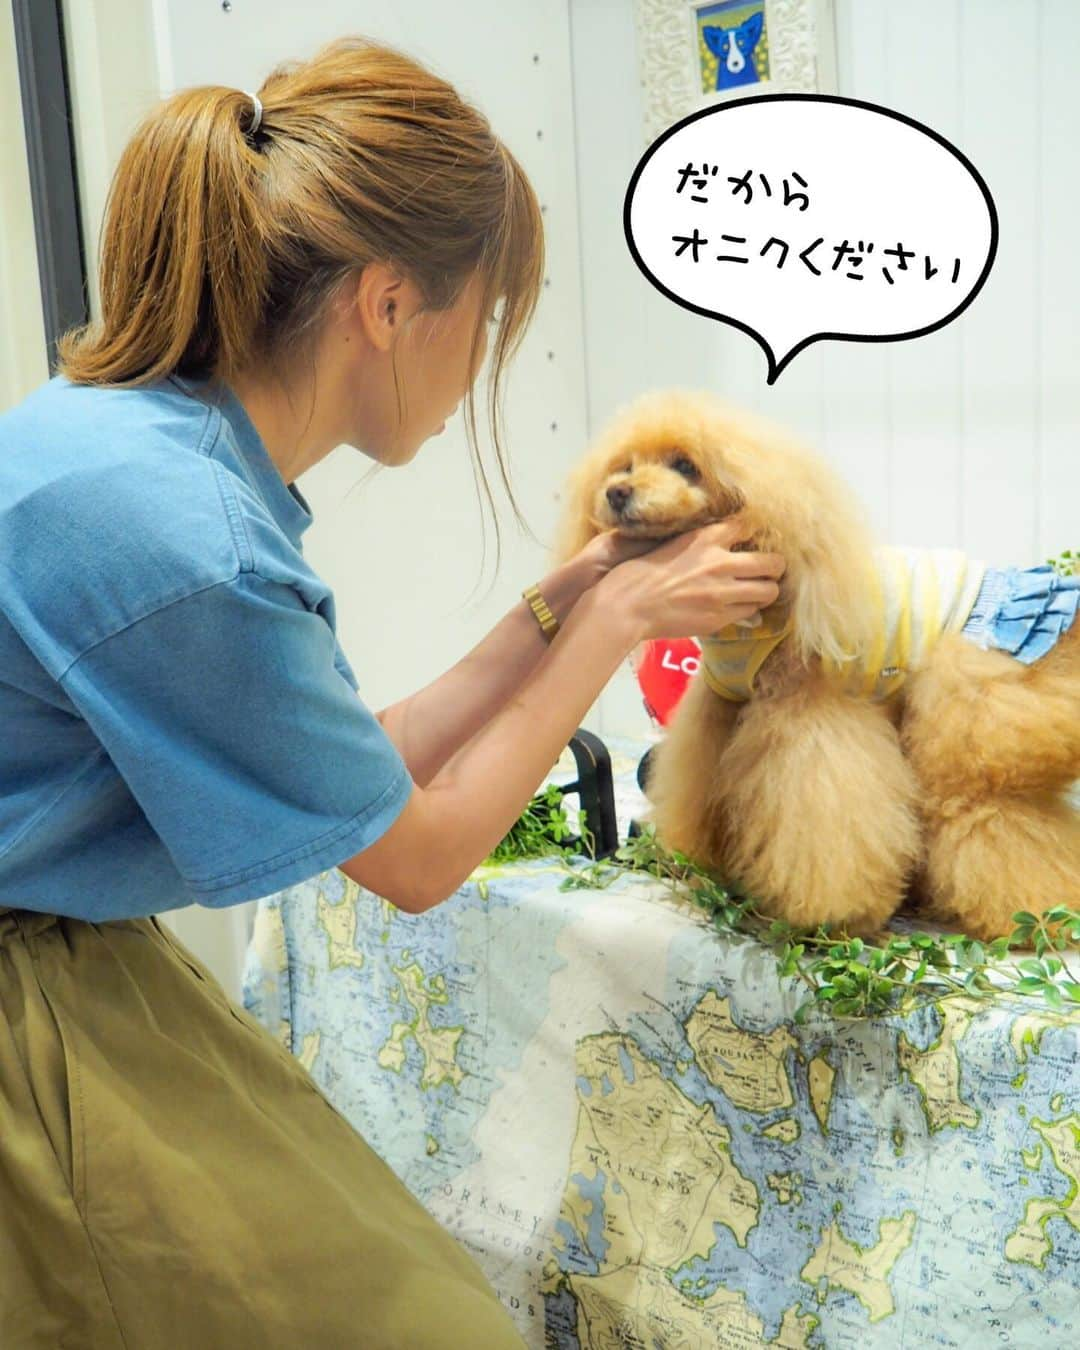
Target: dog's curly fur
point(825, 807)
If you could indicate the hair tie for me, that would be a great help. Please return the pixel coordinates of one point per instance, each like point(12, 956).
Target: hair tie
point(257, 122)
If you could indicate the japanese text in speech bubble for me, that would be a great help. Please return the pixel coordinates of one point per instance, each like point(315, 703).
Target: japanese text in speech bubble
point(797, 217)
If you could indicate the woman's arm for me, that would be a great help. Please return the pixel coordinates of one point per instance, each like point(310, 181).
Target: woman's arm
point(433, 724)
point(692, 584)
point(447, 828)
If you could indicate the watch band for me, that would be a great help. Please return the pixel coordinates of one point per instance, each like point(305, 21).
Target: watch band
point(549, 625)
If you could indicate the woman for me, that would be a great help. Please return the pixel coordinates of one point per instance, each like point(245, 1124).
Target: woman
point(280, 274)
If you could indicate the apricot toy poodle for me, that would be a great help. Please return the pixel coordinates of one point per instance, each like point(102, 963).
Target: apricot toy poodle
point(901, 725)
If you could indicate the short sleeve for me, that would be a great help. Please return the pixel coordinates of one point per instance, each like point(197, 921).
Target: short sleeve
point(229, 715)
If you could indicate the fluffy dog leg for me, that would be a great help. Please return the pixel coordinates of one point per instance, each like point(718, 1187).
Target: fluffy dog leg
point(995, 857)
point(818, 809)
point(684, 783)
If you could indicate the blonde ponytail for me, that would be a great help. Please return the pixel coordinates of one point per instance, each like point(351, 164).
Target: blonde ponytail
point(183, 268)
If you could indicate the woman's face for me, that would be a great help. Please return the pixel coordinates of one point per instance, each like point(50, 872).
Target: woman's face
point(430, 350)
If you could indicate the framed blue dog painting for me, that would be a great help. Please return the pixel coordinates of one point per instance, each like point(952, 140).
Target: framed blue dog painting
point(697, 52)
point(733, 45)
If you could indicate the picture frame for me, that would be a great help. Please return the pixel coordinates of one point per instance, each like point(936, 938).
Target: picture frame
point(695, 53)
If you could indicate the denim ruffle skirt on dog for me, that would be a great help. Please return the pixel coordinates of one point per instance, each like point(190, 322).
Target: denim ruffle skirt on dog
point(1023, 612)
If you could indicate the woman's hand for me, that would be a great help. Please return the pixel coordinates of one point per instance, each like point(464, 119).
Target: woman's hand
point(563, 587)
point(608, 549)
point(692, 584)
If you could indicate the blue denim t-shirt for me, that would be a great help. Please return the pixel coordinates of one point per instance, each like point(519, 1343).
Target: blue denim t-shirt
point(177, 721)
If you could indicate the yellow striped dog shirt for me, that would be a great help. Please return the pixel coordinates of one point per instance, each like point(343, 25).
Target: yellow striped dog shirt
point(920, 594)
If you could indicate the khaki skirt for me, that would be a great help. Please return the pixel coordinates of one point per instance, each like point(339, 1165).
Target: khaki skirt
point(170, 1176)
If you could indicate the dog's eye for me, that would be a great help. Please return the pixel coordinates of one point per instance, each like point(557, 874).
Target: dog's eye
point(687, 467)
point(623, 468)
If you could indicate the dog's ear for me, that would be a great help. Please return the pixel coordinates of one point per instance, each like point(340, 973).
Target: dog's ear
point(816, 523)
point(575, 527)
point(799, 506)
point(831, 584)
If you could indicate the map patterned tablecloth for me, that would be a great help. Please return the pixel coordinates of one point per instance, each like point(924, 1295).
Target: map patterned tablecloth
point(611, 1106)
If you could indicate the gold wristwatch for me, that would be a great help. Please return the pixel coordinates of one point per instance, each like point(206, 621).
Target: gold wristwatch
point(549, 624)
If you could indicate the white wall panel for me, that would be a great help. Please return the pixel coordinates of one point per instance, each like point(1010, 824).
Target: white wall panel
point(999, 374)
point(1055, 275)
point(924, 405)
point(23, 360)
point(856, 375)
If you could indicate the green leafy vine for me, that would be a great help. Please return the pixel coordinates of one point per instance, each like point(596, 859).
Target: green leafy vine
point(542, 829)
point(845, 976)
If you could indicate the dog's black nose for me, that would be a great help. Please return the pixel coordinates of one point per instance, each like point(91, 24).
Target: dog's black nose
point(618, 496)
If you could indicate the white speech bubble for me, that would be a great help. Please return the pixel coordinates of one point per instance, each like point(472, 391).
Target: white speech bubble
point(798, 217)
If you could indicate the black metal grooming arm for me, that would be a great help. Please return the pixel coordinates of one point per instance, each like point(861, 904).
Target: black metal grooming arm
point(596, 793)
